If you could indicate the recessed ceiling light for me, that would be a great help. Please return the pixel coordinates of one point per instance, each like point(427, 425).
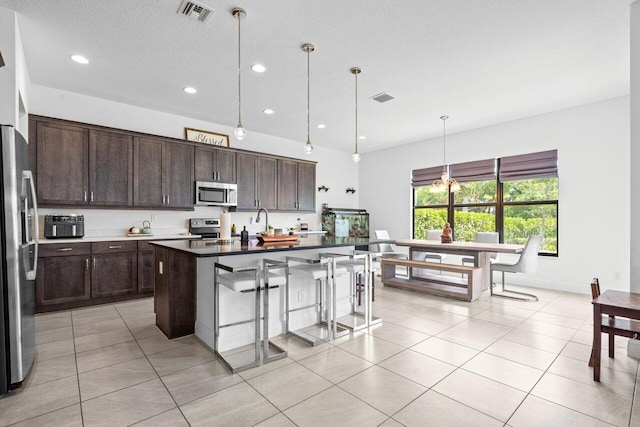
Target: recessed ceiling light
point(80, 59)
point(268, 111)
point(189, 89)
point(321, 126)
point(362, 137)
point(258, 68)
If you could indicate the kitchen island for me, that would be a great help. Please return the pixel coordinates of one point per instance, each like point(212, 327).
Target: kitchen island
point(184, 284)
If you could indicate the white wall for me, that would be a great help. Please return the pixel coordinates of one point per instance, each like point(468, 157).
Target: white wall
point(594, 180)
point(334, 170)
point(14, 78)
point(635, 146)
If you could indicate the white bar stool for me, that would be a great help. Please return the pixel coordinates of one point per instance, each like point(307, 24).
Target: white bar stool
point(322, 272)
point(359, 263)
point(272, 280)
point(238, 279)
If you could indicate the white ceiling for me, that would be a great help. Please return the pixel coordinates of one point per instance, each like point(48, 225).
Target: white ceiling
point(479, 61)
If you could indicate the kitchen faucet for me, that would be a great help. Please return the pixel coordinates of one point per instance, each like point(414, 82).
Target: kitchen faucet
point(266, 214)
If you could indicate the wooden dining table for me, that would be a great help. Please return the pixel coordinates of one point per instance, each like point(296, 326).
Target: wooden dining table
point(612, 303)
point(481, 252)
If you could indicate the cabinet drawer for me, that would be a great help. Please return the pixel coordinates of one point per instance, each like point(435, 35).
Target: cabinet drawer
point(144, 246)
point(116, 246)
point(64, 249)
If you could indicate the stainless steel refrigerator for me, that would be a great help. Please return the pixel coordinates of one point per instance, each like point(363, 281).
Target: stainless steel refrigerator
point(19, 244)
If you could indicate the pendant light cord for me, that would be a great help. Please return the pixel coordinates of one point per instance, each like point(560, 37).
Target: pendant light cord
point(239, 100)
point(308, 93)
point(444, 144)
point(356, 112)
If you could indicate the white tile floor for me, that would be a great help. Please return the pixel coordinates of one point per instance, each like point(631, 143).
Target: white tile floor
point(433, 361)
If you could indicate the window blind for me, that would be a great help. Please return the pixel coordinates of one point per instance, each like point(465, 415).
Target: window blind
point(480, 170)
point(527, 166)
point(426, 176)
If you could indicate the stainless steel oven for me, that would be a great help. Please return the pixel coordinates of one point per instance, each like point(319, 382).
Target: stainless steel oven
point(216, 194)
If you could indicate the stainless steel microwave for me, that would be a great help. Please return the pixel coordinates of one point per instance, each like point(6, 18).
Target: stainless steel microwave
point(216, 194)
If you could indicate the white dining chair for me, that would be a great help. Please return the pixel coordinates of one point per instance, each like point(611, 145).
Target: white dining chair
point(387, 249)
point(484, 237)
point(526, 263)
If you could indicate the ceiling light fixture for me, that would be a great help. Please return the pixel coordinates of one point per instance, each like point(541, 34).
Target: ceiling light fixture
point(80, 59)
point(356, 156)
point(239, 131)
point(362, 137)
point(308, 47)
point(268, 111)
point(190, 90)
point(321, 126)
point(445, 182)
point(258, 68)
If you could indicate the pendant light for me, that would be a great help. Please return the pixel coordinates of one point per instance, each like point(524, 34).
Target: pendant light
point(239, 131)
point(308, 47)
point(356, 156)
point(445, 182)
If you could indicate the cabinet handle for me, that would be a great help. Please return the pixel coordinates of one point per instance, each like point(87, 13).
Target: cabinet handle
point(92, 196)
point(86, 264)
point(64, 249)
point(85, 195)
point(115, 246)
point(94, 263)
point(168, 202)
point(163, 198)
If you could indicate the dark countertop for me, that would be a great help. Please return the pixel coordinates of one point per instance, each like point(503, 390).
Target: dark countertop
point(210, 248)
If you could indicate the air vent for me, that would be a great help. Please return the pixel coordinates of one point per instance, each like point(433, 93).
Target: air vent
point(382, 97)
point(195, 11)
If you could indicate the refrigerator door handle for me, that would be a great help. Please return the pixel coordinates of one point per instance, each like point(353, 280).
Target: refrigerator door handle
point(27, 175)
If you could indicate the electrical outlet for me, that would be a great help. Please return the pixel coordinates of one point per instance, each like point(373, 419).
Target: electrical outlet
point(300, 296)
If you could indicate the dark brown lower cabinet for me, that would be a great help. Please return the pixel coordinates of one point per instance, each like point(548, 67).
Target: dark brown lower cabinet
point(114, 274)
point(63, 275)
point(146, 268)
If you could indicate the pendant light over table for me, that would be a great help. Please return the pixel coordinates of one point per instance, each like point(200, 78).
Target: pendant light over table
point(445, 182)
point(356, 156)
point(239, 132)
point(308, 47)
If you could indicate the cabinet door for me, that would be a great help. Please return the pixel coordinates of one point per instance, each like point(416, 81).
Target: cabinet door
point(204, 159)
point(148, 172)
point(179, 176)
point(306, 187)
point(287, 185)
point(225, 166)
point(146, 270)
point(63, 169)
point(246, 181)
point(110, 169)
point(266, 177)
point(114, 274)
point(62, 279)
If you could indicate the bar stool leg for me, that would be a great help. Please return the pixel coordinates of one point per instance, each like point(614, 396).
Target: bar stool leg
point(279, 353)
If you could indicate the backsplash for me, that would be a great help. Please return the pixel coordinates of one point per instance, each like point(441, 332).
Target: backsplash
point(104, 223)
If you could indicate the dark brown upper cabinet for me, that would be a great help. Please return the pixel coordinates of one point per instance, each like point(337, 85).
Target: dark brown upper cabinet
point(296, 185)
point(213, 164)
point(256, 181)
point(110, 169)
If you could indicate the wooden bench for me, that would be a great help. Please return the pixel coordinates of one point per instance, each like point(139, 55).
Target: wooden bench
point(467, 288)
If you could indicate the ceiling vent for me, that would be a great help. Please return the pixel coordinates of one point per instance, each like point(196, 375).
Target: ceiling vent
point(382, 97)
point(195, 11)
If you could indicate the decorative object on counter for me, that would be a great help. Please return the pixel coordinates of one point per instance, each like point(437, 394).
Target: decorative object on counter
point(447, 236)
point(225, 226)
point(206, 137)
point(356, 156)
point(233, 229)
point(271, 230)
point(134, 230)
point(278, 239)
point(304, 226)
point(325, 207)
point(308, 47)
point(146, 227)
point(239, 131)
point(350, 190)
point(244, 235)
point(445, 182)
point(291, 230)
point(323, 188)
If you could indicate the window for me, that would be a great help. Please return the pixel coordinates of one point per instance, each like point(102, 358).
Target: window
point(516, 196)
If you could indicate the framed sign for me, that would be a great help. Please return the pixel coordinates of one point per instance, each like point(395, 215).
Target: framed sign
point(206, 137)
